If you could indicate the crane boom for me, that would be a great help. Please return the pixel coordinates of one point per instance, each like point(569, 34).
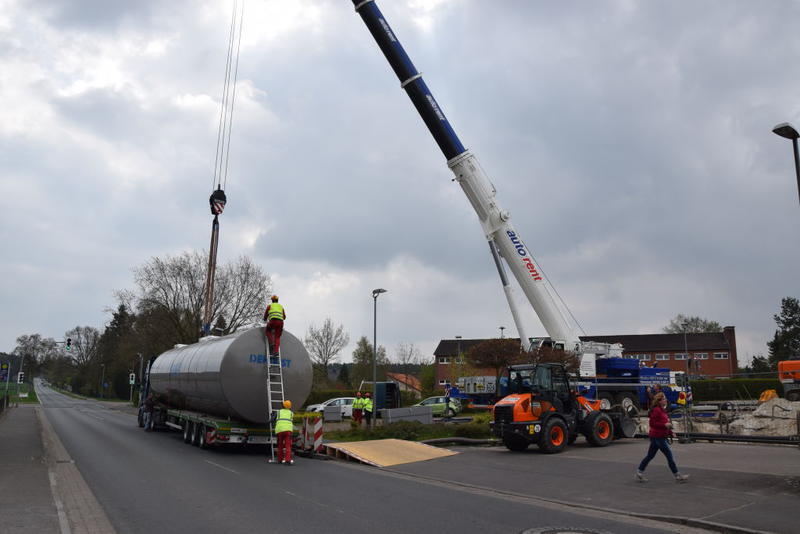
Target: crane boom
point(503, 239)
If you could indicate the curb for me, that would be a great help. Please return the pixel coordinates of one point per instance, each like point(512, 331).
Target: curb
point(79, 512)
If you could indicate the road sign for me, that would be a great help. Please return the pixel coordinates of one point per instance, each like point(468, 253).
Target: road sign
point(132, 379)
point(3, 371)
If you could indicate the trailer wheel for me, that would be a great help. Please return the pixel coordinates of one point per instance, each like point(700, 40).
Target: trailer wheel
point(187, 431)
point(554, 436)
point(516, 444)
point(197, 431)
point(599, 429)
point(793, 396)
point(201, 439)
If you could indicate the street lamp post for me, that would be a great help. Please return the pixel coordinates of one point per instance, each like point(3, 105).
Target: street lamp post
point(375, 293)
point(788, 131)
point(102, 379)
point(458, 349)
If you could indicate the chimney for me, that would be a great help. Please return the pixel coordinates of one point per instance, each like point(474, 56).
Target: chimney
point(729, 334)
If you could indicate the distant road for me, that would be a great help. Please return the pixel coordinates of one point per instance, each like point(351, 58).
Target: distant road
point(150, 482)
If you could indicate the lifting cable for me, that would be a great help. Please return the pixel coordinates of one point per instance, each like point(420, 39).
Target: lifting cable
point(218, 199)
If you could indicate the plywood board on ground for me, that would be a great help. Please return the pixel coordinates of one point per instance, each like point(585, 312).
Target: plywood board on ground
point(386, 452)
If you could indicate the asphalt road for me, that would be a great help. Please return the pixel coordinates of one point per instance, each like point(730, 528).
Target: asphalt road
point(153, 482)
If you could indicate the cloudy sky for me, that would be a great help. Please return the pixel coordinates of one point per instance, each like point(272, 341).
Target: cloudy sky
point(631, 142)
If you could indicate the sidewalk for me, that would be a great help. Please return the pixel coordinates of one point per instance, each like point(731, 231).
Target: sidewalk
point(26, 500)
point(41, 489)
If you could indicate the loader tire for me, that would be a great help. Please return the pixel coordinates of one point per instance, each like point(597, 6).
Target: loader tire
point(599, 429)
point(554, 436)
point(516, 444)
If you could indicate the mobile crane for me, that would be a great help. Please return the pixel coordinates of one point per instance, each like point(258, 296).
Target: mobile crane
point(544, 409)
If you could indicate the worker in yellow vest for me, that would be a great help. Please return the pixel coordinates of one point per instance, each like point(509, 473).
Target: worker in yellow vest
point(274, 315)
point(358, 407)
point(368, 408)
point(283, 430)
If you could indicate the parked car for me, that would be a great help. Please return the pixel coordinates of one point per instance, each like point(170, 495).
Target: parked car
point(438, 407)
point(345, 403)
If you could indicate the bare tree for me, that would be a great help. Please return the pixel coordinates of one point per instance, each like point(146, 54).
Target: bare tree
point(35, 348)
point(407, 355)
point(325, 343)
point(496, 354)
point(693, 324)
point(173, 289)
point(85, 345)
point(240, 293)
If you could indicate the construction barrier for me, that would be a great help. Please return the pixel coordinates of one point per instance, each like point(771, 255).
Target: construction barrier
point(312, 435)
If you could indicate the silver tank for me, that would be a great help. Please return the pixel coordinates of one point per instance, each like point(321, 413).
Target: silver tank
point(227, 377)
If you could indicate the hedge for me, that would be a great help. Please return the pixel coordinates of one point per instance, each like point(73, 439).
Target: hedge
point(732, 389)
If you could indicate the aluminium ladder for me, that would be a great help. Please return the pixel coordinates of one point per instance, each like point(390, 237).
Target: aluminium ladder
point(275, 395)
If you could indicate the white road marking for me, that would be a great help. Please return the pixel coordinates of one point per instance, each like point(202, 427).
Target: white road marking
point(221, 467)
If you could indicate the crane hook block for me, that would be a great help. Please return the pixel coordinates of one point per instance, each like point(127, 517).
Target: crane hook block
point(217, 201)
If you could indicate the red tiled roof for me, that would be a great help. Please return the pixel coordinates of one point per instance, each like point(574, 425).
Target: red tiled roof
point(409, 380)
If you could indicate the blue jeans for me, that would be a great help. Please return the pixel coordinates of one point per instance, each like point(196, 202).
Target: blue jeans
point(659, 444)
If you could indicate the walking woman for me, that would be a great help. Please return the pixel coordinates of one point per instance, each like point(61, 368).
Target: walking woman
point(660, 430)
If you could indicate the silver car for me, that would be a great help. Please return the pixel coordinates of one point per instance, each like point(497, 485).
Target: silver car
point(344, 403)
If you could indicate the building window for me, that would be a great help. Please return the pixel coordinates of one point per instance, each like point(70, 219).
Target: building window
point(662, 356)
point(444, 359)
point(680, 356)
point(701, 356)
point(443, 382)
point(720, 355)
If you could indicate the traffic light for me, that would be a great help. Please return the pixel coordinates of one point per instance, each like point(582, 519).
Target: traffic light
point(20, 377)
point(69, 344)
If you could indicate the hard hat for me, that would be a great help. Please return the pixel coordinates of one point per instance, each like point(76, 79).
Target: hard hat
point(274, 298)
point(287, 404)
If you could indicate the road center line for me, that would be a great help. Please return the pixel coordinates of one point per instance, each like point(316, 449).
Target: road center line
point(221, 467)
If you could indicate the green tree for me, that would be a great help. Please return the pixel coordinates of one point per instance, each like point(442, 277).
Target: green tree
point(496, 354)
point(344, 376)
point(758, 368)
point(362, 362)
point(693, 324)
point(427, 378)
point(786, 342)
